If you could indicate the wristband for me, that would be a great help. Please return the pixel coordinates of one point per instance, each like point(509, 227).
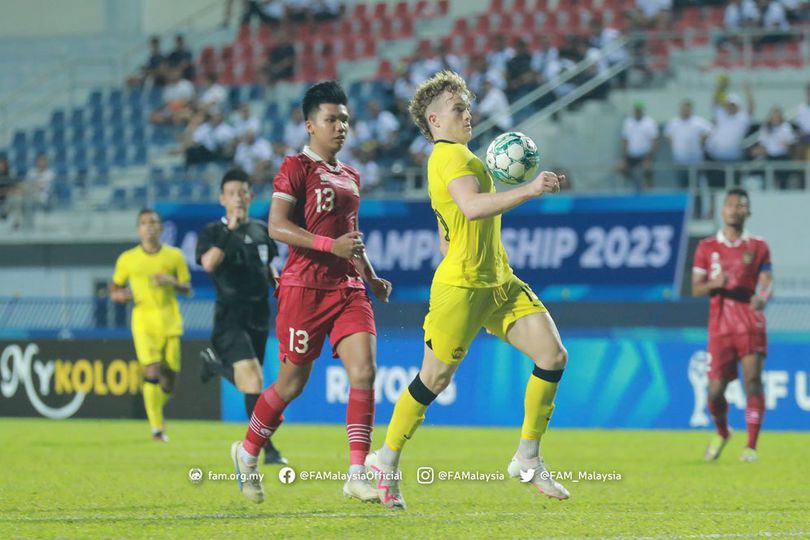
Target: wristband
point(322, 243)
point(765, 295)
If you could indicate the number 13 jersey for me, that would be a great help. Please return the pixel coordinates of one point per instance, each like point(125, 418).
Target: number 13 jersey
point(326, 200)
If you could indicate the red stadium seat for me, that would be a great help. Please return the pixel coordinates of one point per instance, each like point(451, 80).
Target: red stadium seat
point(422, 8)
point(497, 6)
point(380, 11)
point(406, 27)
point(482, 22)
point(248, 74)
point(385, 71)
point(443, 7)
point(227, 53)
point(401, 9)
point(265, 34)
point(244, 33)
point(460, 26)
point(360, 11)
point(386, 29)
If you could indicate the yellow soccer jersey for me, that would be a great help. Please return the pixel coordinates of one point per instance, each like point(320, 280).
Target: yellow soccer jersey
point(476, 256)
point(156, 310)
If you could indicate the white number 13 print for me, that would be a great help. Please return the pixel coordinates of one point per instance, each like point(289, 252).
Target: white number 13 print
point(299, 341)
point(325, 200)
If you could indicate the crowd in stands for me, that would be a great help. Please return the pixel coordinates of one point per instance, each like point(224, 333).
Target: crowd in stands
point(694, 140)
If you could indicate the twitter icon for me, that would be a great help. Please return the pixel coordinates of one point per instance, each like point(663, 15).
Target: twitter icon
point(526, 476)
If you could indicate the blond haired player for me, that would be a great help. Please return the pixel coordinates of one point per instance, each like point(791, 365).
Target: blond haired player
point(473, 287)
point(155, 274)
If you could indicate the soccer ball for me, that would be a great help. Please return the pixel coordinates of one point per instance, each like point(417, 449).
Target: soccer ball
point(512, 158)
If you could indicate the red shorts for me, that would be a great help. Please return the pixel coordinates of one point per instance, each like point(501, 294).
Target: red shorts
point(725, 351)
point(306, 316)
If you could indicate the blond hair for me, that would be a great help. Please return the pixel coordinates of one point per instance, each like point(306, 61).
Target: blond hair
point(428, 91)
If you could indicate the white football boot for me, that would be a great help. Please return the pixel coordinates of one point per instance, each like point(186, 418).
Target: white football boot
point(534, 472)
point(386, 482)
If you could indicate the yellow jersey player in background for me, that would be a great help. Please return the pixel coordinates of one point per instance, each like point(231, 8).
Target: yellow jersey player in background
point(155, 274)
point(473, 287)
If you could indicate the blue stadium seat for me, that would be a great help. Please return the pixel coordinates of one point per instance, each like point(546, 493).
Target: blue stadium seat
point(116, 117)
point(102, 175)
point(116, 98)
point(155, 97)
point(97, 135)
point(135, 98)
point(185, 190)
point(271, 112)
point(62, 194)
point(61, 169)
point(20, 139)
point(77, 118)
point(136, 117)
point(78, 135)
point(138, 134)
point(95, 98)
point(157, 174)
point(256, 92)
point(58, 118)
point(120, 156)
point(80, 157)
point(58, 136)
point(38, 140)
point(140, 196)
point(96, 117)
point(162, 190)
point(139, 155)
point(234, 96)
point(117, 134)
point(118, 198)
point(204, 191)
point(100, 157)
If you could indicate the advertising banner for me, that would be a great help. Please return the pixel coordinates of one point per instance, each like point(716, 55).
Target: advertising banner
point(93, 379)
point(572, 247)
point(614, 379)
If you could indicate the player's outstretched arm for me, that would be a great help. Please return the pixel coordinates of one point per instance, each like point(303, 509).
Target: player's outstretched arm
point(764, 290)
point(476, 205)
point(282, 228)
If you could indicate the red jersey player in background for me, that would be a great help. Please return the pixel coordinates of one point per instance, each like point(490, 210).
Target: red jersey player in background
point(734, 269)
point(321, 293)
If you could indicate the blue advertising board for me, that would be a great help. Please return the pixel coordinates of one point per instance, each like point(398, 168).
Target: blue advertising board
point(638, 378)
point(569, 247)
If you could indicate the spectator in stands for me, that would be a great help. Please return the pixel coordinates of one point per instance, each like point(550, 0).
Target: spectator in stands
point(419, 150)
point(153, 71)
point(494, 105)
point(280, 65)
point(38, 183)
point(245, 121)
point(8, 184)
point(177, 99)
point(500, 55)
point(687, 135)
point(254, 156)
point(297, 11)
point(213, 96)
point(280, 151)
point(731, 123)
point(424, 64)
point(775, 142)
point(210, 141)
point(803, 123)
point(377, 133)
point(544, 55)
point(326, 10)
point(774, 20)
point(295, 131)
point(520, 77)
point(651, 14)
point(639, 143)
point(363, 160)
point(478, 71)
point(738, 15)
point(181, 58)
point(602, 37)
point(267, 11)
point(447, 59)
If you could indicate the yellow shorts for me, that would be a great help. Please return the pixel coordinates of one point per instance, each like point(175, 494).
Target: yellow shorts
point(152, 349)
point(456, 314)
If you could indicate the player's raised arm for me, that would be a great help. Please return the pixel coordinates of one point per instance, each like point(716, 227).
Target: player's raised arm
point(282, 228)
point(476, 205)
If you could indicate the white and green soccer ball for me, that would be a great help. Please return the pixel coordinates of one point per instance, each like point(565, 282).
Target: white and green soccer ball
point(512, 158)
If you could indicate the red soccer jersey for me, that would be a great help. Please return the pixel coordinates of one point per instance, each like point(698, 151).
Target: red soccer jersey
point(743, 260)
point(326, 200)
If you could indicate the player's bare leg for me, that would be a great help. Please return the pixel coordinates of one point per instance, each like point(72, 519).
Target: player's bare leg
point(536, 336)
point(755, 409)
point(718, 407)
point(248, 379)
point(358, 354)
point(266, 418)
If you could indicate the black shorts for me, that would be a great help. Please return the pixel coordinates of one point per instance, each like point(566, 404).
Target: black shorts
point(240, 331)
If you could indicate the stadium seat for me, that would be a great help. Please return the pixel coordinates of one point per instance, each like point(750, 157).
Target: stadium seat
point(58, 118)
point(385, 70)
point(118, 198)
point(380, 11)
point(140, 196)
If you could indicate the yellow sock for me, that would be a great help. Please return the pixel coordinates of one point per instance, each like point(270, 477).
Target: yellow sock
point(408, 415)
point(153, 402)
point(539, 404)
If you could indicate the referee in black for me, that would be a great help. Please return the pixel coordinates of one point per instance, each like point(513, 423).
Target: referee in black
point(237, 252)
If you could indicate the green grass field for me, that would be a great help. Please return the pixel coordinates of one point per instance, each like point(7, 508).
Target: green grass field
point(107, 479)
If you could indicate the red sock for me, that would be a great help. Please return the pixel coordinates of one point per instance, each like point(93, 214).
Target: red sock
point(359, 423)
point(719, 411)
point(264, 421)
point(753, 418)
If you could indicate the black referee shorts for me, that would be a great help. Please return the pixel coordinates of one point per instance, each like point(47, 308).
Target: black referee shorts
point(240, 331)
